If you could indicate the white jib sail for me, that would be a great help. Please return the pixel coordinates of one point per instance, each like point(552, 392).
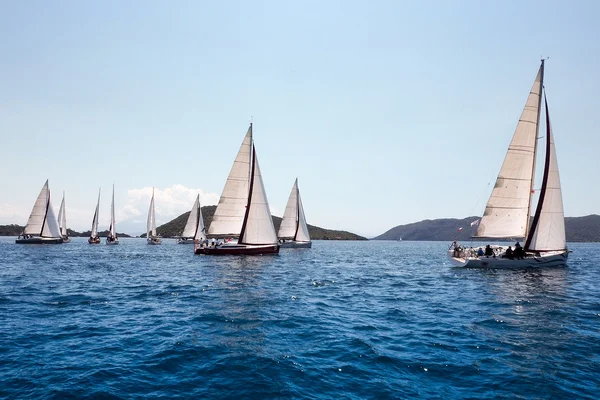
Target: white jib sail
point(50, 228)
point(151, 223)
point(302, 235)
point(94, 232)
point(190, 227)
point(231, 209)
point(200, 234)
point(289, 222)
point(38, 213)
point(549, 233)
point(112, 215)
point(62, 217)
point(259, 225)
point(508, 207)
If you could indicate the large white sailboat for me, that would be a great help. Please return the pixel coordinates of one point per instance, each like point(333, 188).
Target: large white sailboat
point(94, 238)
point(293, 231)
point(42, 226)
point(112, 238)
point(243, 210)
point(151, 236)
point(62, 221)
point(507, 214)
point(191, 227)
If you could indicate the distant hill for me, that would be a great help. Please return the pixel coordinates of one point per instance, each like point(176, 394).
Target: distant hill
point(175, 227)
point(16, 230)
point(578, 229)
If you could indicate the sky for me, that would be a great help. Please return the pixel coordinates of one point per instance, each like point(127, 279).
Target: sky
point(388, 112)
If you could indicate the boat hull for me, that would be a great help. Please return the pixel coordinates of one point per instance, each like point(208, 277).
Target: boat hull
point(295, 245)
point(154, 241)
point(39, 240)
point(112, 242)
point(550, 259)
point(66, 240)
point(185, 241)
point(237, 249)
point(94, 240)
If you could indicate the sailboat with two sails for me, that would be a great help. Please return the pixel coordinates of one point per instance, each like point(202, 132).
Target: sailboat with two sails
point(151, 236)
point(507, 214)
point(94, 238)
point(194, 222)
point(293, 231)
point(42, 225)
point(112, 238)
point(243, 211)
point(62, 221)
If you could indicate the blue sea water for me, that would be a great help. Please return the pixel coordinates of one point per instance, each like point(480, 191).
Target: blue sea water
point(344, 320)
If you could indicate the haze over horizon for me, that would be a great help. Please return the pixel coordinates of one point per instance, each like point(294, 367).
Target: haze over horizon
point(387, 112)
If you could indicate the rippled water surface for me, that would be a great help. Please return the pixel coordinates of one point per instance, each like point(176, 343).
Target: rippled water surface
point(344, 319)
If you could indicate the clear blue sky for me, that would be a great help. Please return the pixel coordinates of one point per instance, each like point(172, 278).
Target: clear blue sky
point(388, 112)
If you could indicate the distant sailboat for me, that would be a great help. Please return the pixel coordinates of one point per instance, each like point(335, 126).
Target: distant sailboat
point(243, 210)
point(94, 238)
point(112, 234)
point(42, 226)
point(192, 224)
point(151, 236)
point(509, 207)
point(293, 232)
point(62, 221)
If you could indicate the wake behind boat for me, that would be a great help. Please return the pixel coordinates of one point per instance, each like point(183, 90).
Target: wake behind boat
point(508, 209)
point(151, 236)
point(293, 231)
point(42, 226)
point(243, 210)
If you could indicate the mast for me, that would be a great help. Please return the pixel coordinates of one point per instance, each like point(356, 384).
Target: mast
point(297, 209)
point(535, 146)
point(251, 186)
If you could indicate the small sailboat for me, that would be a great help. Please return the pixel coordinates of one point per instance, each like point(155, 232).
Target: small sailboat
point(94, 238)
point(112, 238)
point(507, 214)
point(293, 232)
point(62, 221)
point(42, 226)
point(151, 236)
point(243, 210)
point(191, 227)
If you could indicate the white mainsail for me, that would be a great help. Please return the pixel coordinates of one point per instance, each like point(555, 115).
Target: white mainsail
point(94, 232)
point(42, 220)
point(112, 215)
point(200, 233)
point(549, 223)
point(192, 222)
point(62, 217)
point(289, 222)
point(229, 215)
point(258, 227)
point(302, 234)
point(507, 211)
point(151, 223)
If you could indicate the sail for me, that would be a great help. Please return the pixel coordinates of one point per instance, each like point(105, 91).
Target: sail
point(231, 209)
point(302, 234)
point(50, 228)
point(289, 222)
point(94, 232)
point(62, 217)
point(38, 213)
point(548, 228)
point(151, 223)
point(258, 224)
point(507, 211)
point(200, 233)
point(192, 222)
point(112, 215)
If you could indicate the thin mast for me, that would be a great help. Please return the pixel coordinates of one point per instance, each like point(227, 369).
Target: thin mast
point(537, 132)
point(249, 196)
point(297, 210)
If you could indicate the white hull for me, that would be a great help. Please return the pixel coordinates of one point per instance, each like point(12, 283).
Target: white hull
point(291, 244)
point(185, 241)
point(154, 241)
point(112, 242)
point(549, 259)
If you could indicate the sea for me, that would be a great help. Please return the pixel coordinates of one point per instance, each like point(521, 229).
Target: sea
point(344, 320)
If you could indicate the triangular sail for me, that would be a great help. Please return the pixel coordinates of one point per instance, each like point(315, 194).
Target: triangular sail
point(200, 233)
point(302, 234)
point(548, 228)
point(50, 228)
point(229, 215)
point(112, 215)
point(257, 226)
point(507, 211)
point(62, 217)
point(192, 222)
point(151, 223)
point(94, 232)
point(289, 222)
point(38, 213)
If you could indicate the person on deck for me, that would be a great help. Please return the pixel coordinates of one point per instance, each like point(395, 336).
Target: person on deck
point(509, 253)
point(519, 253)
point(456, 249)
point(480, 252)
point(489, 251)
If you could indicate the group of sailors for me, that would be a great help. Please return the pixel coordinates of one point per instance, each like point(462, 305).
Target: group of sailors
point(214, 242)
point(517, 253)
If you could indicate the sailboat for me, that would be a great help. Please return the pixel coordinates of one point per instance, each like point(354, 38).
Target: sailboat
point(293, 231)
point(243, 210)
point(507, 214)
point(62, 221)
point(42, 226)
point(191, 227)
point(151, 236)
point(94, 238)
point(112, 234)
